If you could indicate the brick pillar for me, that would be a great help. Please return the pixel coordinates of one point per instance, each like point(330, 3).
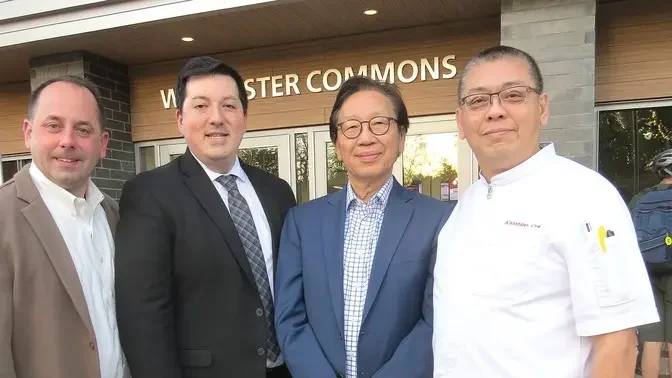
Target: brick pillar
point(560, 35)
point(111, 78)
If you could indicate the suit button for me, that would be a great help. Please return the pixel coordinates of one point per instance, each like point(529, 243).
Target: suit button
point(261, 351)
point(92, 345)
point(260, 312)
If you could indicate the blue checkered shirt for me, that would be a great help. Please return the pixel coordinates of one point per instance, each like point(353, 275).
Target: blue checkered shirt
point(362, 227)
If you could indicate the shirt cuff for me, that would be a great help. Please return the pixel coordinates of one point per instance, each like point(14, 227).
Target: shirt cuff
point(603, 326)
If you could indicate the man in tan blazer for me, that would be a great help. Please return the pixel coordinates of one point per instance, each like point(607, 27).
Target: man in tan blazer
point(57, 311)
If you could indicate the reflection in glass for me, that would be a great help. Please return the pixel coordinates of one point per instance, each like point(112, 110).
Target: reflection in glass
point(264, 158)
point(301, 159)
point(654, 133)
point(9, 169)
point(147, 160)
point(430, 165)
point(336, 173)
point(628, 141)
point(617, 150)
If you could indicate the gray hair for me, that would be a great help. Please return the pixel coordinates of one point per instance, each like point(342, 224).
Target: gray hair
point(497, 53)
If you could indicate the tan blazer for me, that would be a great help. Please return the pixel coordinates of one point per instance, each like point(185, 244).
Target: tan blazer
point(45, 329)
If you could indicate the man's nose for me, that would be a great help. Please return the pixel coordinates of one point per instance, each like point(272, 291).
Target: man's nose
point(217, 116)
point(496, 109)
point(67, 138)
point(366, 136)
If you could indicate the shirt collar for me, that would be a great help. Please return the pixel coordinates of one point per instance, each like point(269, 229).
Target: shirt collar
point(533, 163)
point(48, 188)
point(236, 170)
point(382, 195)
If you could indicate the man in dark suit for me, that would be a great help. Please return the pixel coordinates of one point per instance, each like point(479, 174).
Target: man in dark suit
point(197, 242)
point(354, 283)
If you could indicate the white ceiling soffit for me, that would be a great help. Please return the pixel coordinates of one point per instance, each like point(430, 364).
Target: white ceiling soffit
point(89, 16)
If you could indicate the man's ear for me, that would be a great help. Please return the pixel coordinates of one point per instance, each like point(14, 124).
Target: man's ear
point(27, 132)
point(179, 119)
point(543, 109)
point(458, 119)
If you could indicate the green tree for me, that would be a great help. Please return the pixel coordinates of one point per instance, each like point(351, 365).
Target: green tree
point(264, 158)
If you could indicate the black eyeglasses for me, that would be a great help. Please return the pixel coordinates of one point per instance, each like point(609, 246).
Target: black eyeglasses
point(510, 96)
point(378, 125)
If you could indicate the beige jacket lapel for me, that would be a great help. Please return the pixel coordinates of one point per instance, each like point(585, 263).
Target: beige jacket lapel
point(38, 216)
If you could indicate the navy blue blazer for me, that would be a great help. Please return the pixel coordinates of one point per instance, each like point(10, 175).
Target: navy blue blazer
point(396, 331)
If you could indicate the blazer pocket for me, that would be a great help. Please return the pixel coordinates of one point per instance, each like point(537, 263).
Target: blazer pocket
point(195, 357)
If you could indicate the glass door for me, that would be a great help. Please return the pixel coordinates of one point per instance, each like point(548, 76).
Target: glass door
point(169, 152)
point(330, 174)
point(435, 162)
point(269, 153)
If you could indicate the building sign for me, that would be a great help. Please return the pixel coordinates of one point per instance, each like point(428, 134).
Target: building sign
point(407, 71)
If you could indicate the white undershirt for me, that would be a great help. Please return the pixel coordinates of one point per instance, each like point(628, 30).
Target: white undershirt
point(258, 215)
point(87, 235)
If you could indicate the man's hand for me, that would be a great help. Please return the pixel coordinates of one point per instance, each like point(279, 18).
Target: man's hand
point(615, 354)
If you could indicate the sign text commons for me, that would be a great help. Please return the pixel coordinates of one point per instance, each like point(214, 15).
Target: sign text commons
point(330, 80)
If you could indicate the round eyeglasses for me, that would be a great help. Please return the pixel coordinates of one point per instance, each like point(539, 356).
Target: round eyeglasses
point(378, 125)
point(510, 96)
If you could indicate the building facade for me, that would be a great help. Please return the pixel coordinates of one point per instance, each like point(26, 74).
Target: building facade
point(606, 66)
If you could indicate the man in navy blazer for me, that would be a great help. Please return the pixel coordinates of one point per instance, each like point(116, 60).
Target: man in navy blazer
point(353, 290)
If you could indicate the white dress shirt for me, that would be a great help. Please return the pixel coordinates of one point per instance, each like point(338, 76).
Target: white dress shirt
point(529, 267)
point(362, 228)
point(258, 215)
point(86, 232)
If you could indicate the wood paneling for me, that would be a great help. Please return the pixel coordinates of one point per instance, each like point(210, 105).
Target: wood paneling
point(241, 28)
point(634, 51)
point(13, 109)
point(151, 121)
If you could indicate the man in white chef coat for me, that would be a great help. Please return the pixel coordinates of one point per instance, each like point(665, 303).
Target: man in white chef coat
point(538, 272)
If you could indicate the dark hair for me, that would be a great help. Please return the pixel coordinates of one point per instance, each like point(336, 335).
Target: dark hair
point(74, 80)
point(498, 53)
point(205, 65)
point(362, 83)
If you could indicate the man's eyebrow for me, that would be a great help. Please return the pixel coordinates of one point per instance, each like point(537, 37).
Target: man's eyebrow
point(53, 118)
point(478, 90)
point(512, 83)
point(201, 98)
point(505, 85)
point(83, 123)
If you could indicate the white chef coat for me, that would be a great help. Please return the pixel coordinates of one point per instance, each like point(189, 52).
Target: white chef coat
point(523, 277)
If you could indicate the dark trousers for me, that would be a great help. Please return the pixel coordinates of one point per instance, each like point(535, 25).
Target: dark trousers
point(278, 372)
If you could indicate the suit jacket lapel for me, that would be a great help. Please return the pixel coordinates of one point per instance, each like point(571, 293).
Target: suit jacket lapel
point(42, 222)
point(204, 190)
point(266, 197)
point(397, 215)
point(333, 239)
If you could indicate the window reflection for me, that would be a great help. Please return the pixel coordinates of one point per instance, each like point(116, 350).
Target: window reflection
point(301, 160)
point(430, 165)
point(337, 175)
point(628, 140)
point(12, 167)
point(147, 160)
point(264, 158)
